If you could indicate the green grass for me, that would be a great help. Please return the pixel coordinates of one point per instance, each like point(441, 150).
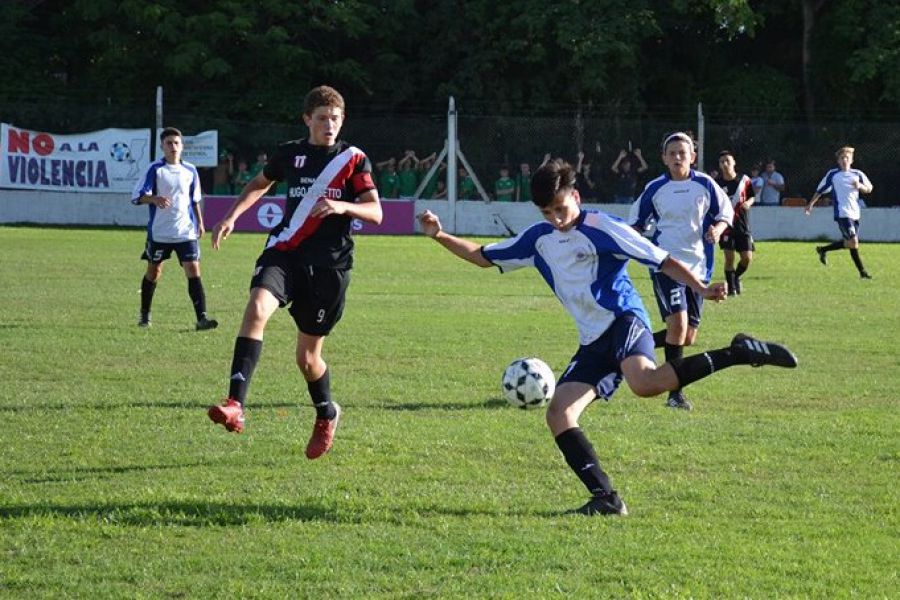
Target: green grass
point(113, 483)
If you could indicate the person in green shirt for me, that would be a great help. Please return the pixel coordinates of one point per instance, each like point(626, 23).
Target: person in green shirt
point(408, 174)
point(241, 177)
point(505, 187)
point(466, 189)
point(388, 181)
point(523, 183)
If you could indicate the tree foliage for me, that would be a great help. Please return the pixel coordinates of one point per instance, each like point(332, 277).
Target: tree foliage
point(256, 59)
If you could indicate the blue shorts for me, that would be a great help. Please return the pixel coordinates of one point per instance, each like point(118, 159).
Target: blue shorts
point(599, 363)
point(156, 252)
point(849, 228)
point(673, 297)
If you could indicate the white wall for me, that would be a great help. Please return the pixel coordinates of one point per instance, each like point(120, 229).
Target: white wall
point(767, 222)
point(472, 217)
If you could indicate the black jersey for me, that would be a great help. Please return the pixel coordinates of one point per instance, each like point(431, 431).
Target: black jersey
point(739, 190)
point(338, 172)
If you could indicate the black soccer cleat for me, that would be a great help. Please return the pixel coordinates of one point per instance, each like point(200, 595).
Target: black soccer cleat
point(144, 320)
point(820, 250)
point(738, 288)
point(864, 275)
point(757, 353)
point(677, 400)
point(603, 504)
point(204, 323)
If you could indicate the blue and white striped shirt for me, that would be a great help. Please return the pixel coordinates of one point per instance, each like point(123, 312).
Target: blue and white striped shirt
point(584, 266)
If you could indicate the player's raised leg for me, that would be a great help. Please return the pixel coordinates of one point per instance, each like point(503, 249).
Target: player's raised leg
point(247, 350)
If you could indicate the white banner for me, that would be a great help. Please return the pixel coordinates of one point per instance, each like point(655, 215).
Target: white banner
point(201, 150)
point(109, 160)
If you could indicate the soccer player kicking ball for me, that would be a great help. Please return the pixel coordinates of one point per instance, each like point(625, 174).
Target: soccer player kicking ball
point(846, 185)
point(690, 212)
point(307, 259)
point(582, 256)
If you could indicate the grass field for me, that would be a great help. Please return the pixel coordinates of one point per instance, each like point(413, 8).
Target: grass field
point(113, 483)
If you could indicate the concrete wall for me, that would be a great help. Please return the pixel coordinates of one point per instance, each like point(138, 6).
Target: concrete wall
point(472, 218)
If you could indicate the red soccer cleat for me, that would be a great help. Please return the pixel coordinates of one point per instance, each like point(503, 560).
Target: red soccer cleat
point(230, 414)
point(323, 435)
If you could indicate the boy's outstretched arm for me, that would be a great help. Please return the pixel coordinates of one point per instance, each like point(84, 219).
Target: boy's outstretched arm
point(470, 251)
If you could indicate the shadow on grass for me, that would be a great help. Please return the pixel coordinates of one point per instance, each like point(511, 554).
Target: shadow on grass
point(490, 403)
point(186, 514)
point(192, 405)
point(86, 473)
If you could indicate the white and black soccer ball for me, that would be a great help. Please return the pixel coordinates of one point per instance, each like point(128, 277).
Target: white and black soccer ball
point(528, 383)
point(120, 152)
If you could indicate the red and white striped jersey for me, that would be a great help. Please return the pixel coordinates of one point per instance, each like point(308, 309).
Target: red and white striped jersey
point(339, 172)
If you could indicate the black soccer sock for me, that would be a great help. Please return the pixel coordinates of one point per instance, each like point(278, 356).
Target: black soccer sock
point(147, 289)
point(246, 355)
point(854, 254)
point(673, 352)
point(833, 246)
point(729, 279)
point(582, 459)
point(741, 269)
point(320, 392)
point(198, 296)
point(659, 339)
point(695, 367)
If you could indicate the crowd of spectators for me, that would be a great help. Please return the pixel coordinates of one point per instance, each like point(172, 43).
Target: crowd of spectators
point(598, 181)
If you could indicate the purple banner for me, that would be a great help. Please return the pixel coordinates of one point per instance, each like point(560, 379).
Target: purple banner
point(399, 215)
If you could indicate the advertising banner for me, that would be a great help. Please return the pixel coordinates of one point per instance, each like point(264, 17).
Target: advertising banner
point(399, 215)
point(201, 150)
point(109, 160)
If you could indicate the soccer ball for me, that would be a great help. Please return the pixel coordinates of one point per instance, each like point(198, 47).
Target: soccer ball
point(528, 383)
point(120, 152)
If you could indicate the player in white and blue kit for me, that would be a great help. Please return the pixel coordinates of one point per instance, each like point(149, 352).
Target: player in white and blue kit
point(845, 184)
point(690, 212)
point(171, 188)
point(582, 256)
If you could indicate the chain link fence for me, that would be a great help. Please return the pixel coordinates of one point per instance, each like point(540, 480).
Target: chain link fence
point(803, 153)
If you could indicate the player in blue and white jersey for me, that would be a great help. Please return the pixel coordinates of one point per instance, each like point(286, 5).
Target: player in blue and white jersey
point(171, 188)
point(582, 255)
point(845, 184)
point(690, 212)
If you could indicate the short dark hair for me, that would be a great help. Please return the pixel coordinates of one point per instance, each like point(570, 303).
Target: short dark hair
point(168, 132)
point(322, 95)
point(551, 179)
point(726, 153)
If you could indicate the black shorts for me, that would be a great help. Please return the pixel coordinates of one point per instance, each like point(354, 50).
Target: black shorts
point(737, 241)
point(599, 363)
point(316, 294)
point(849, 228)
point(674, 297)
point(156, 252)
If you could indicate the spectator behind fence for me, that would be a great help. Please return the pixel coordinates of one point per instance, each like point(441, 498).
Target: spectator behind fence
point(504, 187)
point(241, 177)
point(440, 190)
point(584, 181)
point(423, 168)
point(408, 174)
point(756, 181)
point(388, 180)
point(626, 175)
point(223, 173)
point(523, 183)
point(773, 185)
point(466, 187)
